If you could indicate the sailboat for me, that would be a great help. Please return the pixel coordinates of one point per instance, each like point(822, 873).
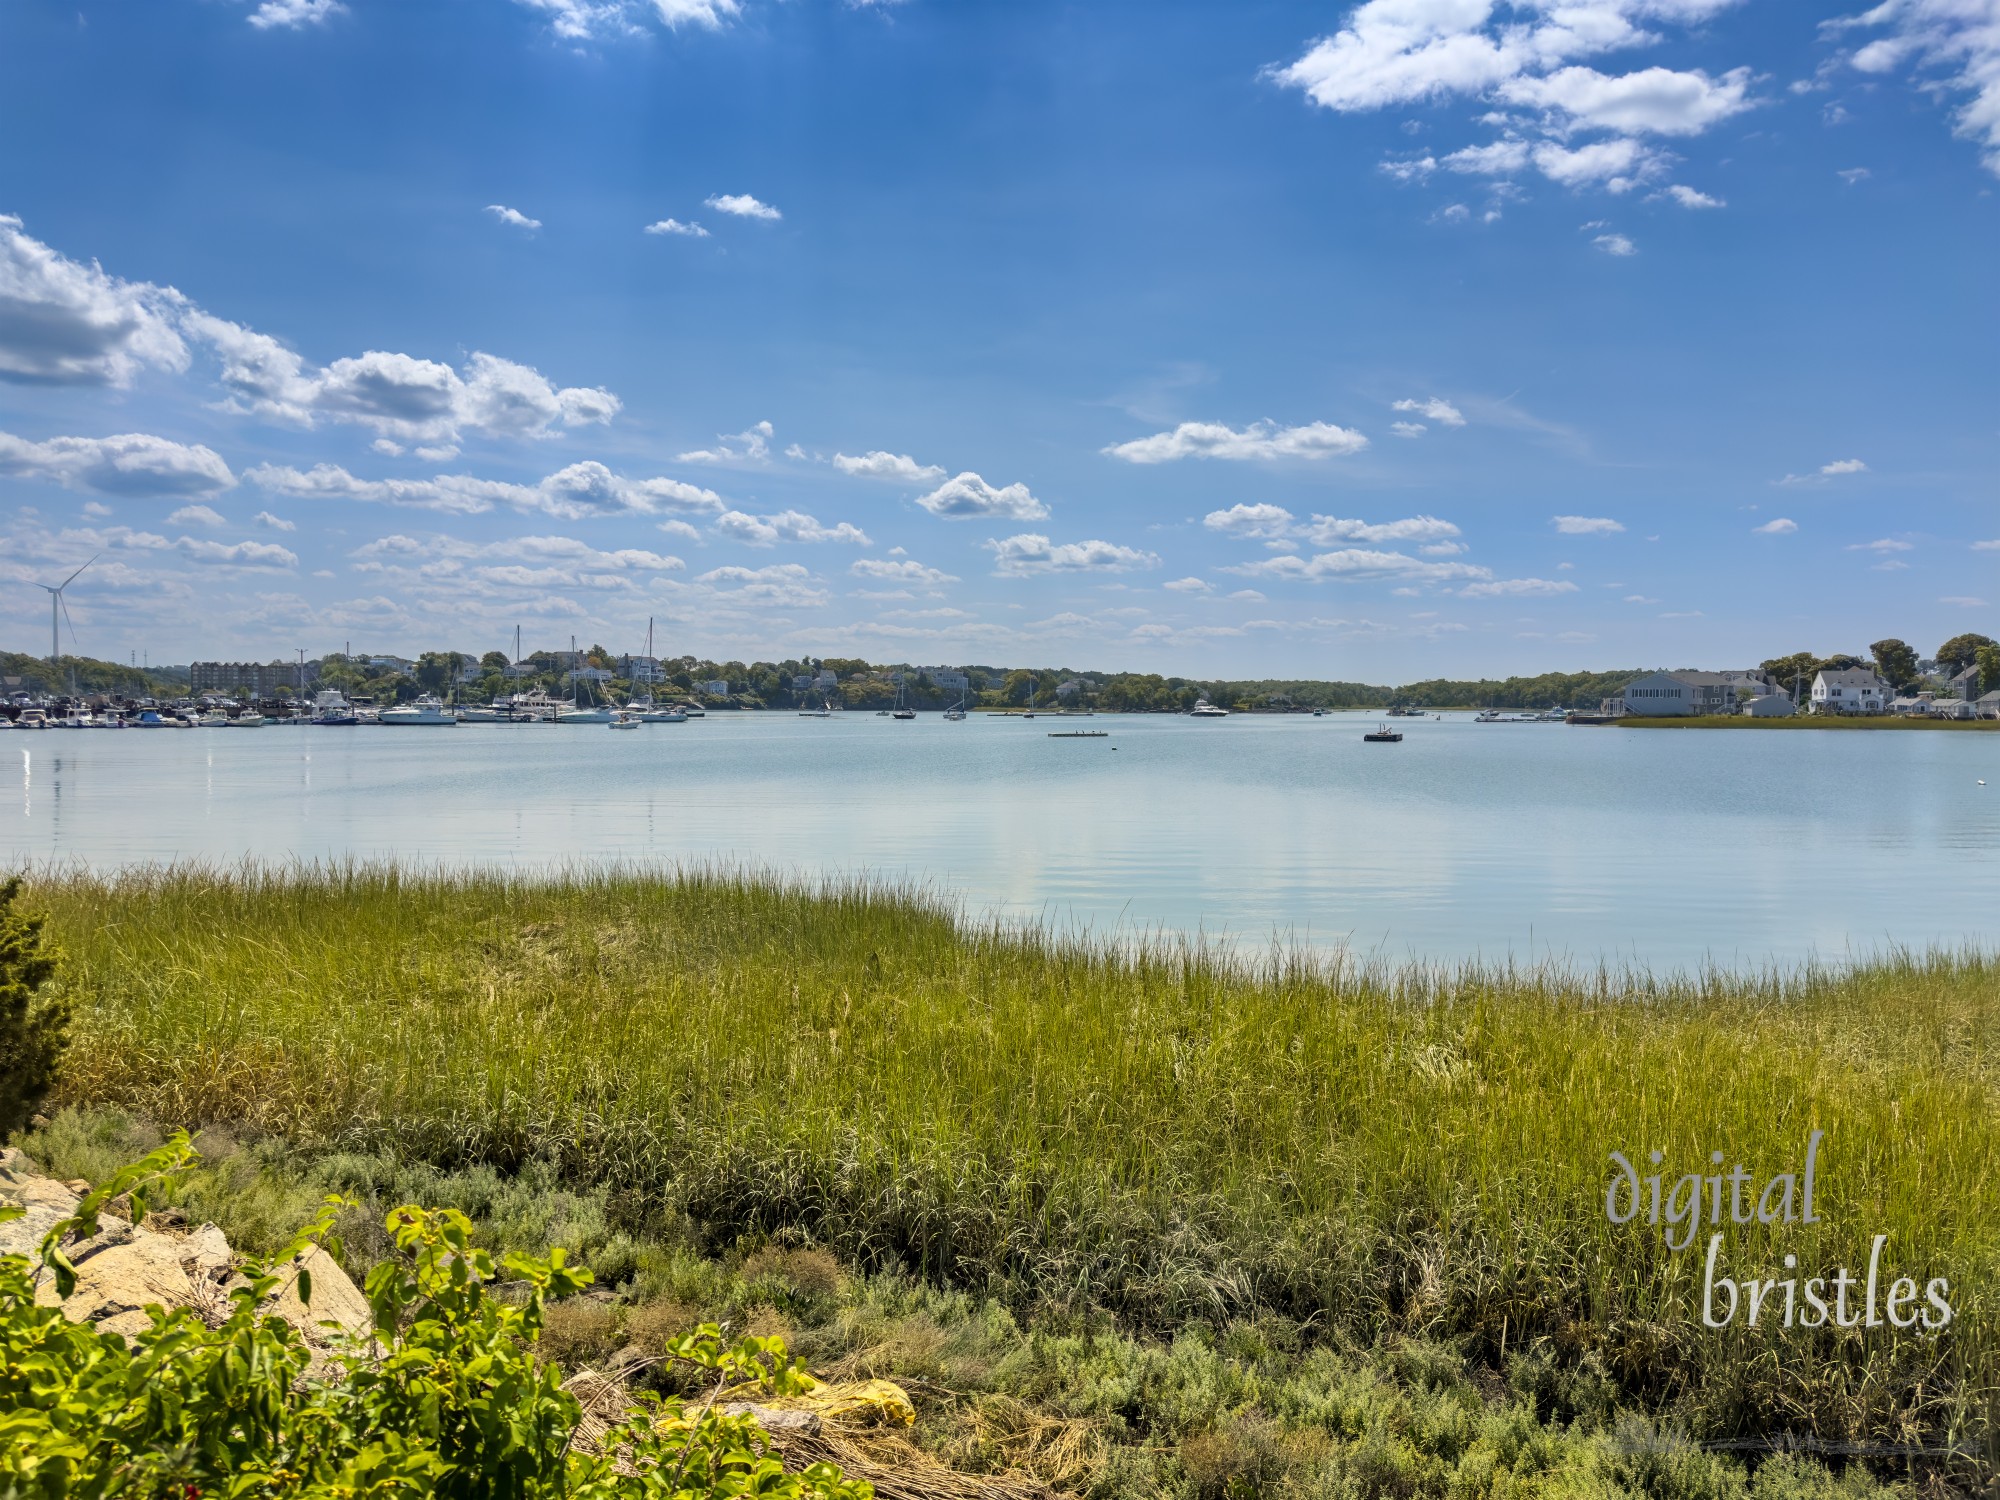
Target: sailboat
point(642, 709)
point(956, 713)
point(575, 713)
point(903, 709)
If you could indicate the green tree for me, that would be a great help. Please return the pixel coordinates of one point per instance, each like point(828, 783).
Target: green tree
point(32, 1030)
point(1960, 652)
point(1793, 673)
point(495, 661)
point(1989, 668)
point(1895, 661)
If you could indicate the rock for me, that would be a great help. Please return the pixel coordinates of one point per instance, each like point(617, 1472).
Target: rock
point(123, 1278)
point(78, 1186)
point(205, 1253)
point(775, 1420)
point(122, 1270)
point(335, 1299)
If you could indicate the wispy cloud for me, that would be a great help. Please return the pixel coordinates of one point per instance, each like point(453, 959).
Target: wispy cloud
point(512, 216)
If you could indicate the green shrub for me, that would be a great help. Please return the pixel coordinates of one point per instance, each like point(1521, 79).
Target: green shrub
point(32, 1031)
point(447, 1399)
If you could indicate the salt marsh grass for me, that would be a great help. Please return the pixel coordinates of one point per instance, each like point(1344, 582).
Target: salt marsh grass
point(1173, 1133)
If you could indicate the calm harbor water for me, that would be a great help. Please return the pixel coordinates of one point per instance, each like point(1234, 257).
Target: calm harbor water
point(1666, 848)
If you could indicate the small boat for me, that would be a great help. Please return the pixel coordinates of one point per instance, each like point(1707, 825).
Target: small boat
point(250, 720)
point(1487, 716)
point(1203, 709)
point(483, 715)
point(624, 721)
point(1319, 713)
point(428, 711)
point(954, 714)
point(1079, 734)
point(215, 718)
point(32, 718)
point(1382, 734)
point(904, 713)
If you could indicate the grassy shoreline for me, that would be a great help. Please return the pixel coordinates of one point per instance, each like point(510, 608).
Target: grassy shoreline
point(1163, 1138)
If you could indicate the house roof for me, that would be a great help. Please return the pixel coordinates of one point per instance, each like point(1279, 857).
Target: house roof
point(1854, 677)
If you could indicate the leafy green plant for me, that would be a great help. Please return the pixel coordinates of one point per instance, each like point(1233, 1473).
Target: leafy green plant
point(446, 1398)
point(32, 1029)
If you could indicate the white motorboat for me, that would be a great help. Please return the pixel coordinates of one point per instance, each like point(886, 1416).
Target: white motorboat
point(1203, 709)
point(624, 721)
point(481, 715)
point(428, 711)
point(251, 720)
point(32, 718)
point(585, 715)
point(1487, 716)
point(215, 718)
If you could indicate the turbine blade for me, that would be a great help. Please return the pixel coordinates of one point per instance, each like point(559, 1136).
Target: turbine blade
point(72, 577)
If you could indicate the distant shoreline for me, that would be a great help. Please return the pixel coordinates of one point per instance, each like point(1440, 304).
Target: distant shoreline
point(1807, 721)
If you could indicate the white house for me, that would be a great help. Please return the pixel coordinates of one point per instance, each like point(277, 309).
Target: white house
point(1769, 706)
point(716, 689)
point(1988, 707)
point(946, 679)
point(1854, 691)
point(642, 669)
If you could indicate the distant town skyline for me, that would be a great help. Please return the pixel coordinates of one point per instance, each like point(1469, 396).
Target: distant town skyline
point(1364, 343)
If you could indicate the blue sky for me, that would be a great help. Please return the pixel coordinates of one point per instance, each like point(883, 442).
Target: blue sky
point(1423, 336)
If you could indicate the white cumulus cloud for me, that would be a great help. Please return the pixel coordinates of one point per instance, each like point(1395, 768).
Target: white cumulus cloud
point(786, 526)
point(743, 206)
point(132, 464)
point(512, 216)
point(1361, 564)
point(1260, 440)
point(294, 15)
point(690, 229)
point(1688, 197)
point(1781, 526)
point(1433, 408)
point(877, 464)
point(1524, 57)
point(968, 497)
point(64, 323)
point(1955, 46)
point(1029, 554)
point(196, 515)
point(580, 491)
point(905, 570)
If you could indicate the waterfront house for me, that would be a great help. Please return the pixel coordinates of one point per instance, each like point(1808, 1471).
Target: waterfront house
point(947, 679)
point(1854, 691)
point(719, 688)
point(1769, 706)
point(1965, 684)
point(1988, 706)
point(1678, 694)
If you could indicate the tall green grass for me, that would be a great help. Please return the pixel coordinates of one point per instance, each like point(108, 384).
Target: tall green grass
point(1171, 1132)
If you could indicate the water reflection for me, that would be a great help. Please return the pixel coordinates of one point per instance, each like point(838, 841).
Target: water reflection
point(1664, 847)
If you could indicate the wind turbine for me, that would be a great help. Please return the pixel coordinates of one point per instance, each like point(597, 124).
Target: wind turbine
point(55, 593)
